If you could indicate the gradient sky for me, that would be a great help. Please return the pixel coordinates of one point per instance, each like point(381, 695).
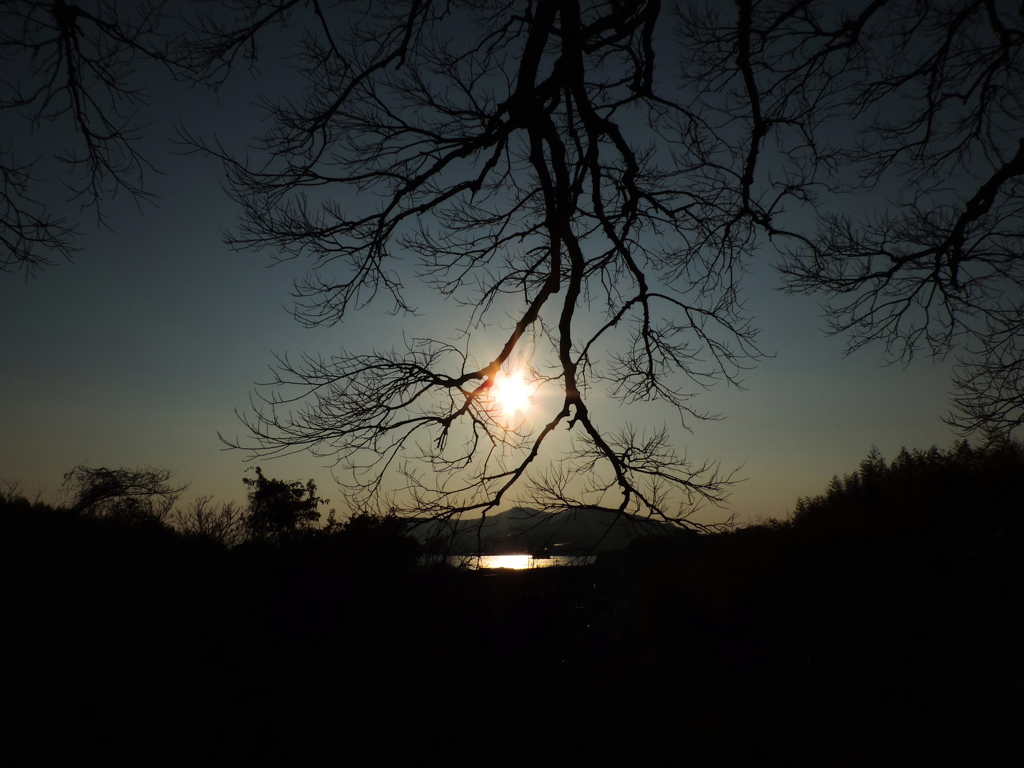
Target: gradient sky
point(140, 351)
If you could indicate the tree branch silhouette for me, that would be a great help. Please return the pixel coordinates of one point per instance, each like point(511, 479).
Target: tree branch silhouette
point(72, 64)
point(606, 170)
point(916, 108)
point(515, 150)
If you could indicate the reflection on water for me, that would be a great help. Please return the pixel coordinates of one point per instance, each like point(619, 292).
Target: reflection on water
point(516, 562)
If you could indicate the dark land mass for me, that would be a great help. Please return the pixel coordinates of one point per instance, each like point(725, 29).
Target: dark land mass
point(879, 626)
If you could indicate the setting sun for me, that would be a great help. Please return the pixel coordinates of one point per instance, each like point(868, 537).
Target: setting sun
point(511, 393)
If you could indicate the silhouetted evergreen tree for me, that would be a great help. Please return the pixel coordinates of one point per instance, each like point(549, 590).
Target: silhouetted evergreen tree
point(962, 485)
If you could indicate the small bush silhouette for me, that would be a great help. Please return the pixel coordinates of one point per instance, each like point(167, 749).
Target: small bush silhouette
point(376, 540)
point(224, 524)
point(139, 497)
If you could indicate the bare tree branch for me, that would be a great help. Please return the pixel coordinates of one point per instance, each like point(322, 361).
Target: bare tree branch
point(72, 64)
point(515, 150)
point(920, 102)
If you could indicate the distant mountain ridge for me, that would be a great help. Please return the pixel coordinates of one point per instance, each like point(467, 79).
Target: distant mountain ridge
point(522, 530)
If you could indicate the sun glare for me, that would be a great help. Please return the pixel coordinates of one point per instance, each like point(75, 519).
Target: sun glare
point(511, 394)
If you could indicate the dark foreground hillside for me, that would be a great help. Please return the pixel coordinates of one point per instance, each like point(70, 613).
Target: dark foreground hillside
point(876, 628)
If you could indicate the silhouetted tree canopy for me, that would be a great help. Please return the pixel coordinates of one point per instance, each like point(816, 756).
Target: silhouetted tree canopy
point(599, 173)
point(72, 64)
point(923, 250)
point(609, 170)
point(280, 509)
point(517, 152)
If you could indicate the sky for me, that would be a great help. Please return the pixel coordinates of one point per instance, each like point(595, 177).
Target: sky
point(140, 352)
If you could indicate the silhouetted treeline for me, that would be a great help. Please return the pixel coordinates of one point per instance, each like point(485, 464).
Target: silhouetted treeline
point(963, 486)
point(877, 626)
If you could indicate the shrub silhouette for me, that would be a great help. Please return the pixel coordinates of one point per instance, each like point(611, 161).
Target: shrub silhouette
point(280, 510)
point(380, 541)
point(224, 525)
point(139, 497)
